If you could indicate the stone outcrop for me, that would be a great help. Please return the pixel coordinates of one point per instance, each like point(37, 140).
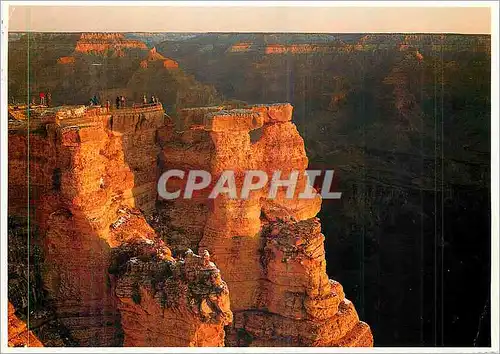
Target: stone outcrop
point(78, 183)
point(137, 128)
point(168, 302)
point(118, 265)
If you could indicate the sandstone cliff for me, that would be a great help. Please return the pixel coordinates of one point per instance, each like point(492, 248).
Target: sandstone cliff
point(118, 265)
point(270, 252)
point(88, 172)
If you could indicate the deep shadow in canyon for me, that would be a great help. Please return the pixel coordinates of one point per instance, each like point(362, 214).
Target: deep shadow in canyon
point(404, 121)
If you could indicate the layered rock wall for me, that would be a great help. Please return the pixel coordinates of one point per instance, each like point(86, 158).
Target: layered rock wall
point(137, 128)
point(81, 183)
point(87, 174)
point(270, 251)
point(92, 177)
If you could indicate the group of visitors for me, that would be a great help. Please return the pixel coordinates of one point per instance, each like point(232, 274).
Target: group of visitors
point(120, 102)
point(153, 100)
point(94, 101)
point(45, 99)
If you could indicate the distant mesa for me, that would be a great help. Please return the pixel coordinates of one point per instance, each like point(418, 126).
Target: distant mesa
point(154, 56)
point(66, 60)
point(276, 49)
point(299, 48)
point(241, 47)
point(102, 42)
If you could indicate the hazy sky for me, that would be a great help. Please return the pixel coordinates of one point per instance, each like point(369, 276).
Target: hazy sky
point(358, 19)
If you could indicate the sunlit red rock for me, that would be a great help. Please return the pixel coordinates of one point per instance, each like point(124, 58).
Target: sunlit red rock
point(66, 60)
point(154, 56)
point(270, 252)
point(168, 302)
point(87, 174)
point(240, 47)
point(118, 261)
point(19, 335)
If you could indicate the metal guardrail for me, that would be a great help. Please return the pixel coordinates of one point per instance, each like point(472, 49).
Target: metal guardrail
point(100, 109)
point(137, 107)
point(142, 105)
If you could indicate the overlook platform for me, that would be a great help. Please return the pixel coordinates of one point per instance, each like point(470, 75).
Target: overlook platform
point(72, 115)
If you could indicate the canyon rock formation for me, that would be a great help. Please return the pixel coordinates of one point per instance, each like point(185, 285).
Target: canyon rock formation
point(270, 251)
point(119, 266)
point(164, 302)
point(154, 56)
point(100, 43)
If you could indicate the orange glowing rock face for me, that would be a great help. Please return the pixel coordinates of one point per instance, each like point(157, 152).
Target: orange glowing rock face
point(241, 47)
point(276, 49)
point(66, 60)
point(185, 302)
point(109, 246)
point(170, 64)
point(19, 335)
point(270, 252)
point(84, 190)
point(154, 56)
